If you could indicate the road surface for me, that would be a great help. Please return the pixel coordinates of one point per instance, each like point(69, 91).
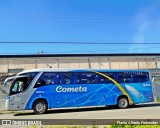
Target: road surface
point(146, 111)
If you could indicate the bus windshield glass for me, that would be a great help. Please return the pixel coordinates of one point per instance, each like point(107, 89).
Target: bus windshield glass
point(21, 83)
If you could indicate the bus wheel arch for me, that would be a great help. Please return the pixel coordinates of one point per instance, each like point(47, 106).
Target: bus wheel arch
point(122, 102)
point(40, 106)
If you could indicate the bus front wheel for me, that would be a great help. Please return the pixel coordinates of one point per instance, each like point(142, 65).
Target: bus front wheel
point(40, 107)
point(122, 102)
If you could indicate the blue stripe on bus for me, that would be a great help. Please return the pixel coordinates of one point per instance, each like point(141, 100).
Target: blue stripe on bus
point(99, 94)
point(94, 95)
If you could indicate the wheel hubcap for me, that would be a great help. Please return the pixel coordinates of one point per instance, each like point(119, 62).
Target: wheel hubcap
point(123, 103)
point(40, 107)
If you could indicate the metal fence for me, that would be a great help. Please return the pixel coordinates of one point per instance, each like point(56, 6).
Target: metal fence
point(3, 94)
point(2, 104)
point(156, 90)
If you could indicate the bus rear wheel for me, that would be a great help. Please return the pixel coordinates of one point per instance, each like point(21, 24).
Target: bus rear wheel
point(122, 103)
point(40, 107)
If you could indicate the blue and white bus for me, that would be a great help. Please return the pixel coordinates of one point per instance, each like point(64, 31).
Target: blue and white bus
point(43, 89)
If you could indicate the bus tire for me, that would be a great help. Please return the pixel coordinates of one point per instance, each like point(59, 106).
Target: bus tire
point(40, 107)
point(122, 102)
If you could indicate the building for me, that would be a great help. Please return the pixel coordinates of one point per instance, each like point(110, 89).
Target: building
point(12, 64)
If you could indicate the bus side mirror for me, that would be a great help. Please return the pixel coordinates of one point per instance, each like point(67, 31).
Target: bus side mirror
point(5, 83)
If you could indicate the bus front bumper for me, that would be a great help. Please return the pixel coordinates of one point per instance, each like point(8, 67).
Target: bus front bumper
point(11, 106)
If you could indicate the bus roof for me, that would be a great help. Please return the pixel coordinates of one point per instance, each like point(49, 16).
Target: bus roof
point(80, 70)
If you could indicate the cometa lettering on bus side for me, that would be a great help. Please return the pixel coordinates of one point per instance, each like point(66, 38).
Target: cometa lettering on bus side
point(71, 89)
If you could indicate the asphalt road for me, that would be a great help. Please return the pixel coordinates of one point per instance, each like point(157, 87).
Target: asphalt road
point(146, 111)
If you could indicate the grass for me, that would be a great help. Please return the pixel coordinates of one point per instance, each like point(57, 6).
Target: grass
point(158, 99)
point(69, 126)
point(135, 126)
point(96, 126)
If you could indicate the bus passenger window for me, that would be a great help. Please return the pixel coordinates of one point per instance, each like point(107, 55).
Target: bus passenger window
point(95, 79)
point(125, 78)
point(56, 79)
point(139, 78)
point(65, 78)
point(48, 78)
point(87, 78)
point(30, 76)
point(75, 78)
point(104, 80)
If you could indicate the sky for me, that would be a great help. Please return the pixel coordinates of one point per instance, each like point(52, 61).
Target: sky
point(79, 26)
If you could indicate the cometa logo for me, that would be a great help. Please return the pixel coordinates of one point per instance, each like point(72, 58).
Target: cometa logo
point(71, 89)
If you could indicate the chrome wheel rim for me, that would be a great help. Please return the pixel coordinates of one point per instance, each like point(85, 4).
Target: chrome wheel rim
point(123, 103)
point(40, 107)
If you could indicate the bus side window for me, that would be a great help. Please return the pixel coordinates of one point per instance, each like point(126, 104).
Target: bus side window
point(125, 78)
point(84, 79)
point(40, 81)
point(30, 77)
point(95, 79)
point(75, 78)
point(56, 79)
point(88, 78)
point(121, 79)
point(65, 78)
point(129, 78)
point(141, 78)
point(104, 80)
point(47, 78)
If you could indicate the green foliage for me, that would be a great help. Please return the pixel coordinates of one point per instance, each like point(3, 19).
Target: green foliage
point(95, 126)
point(158, 99)
point(33, 126)
point(134, 126)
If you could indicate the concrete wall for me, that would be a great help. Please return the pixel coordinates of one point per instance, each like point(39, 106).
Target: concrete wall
point(79, 63)
point(3, 66)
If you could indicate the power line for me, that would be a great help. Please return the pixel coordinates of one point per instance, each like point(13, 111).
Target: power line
point(95, 51)
point(65, 18)
point(109, 43)
point(24, 13)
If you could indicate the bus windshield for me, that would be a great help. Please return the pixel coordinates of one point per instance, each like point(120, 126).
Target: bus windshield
point(18, 85)
point(21, 83)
